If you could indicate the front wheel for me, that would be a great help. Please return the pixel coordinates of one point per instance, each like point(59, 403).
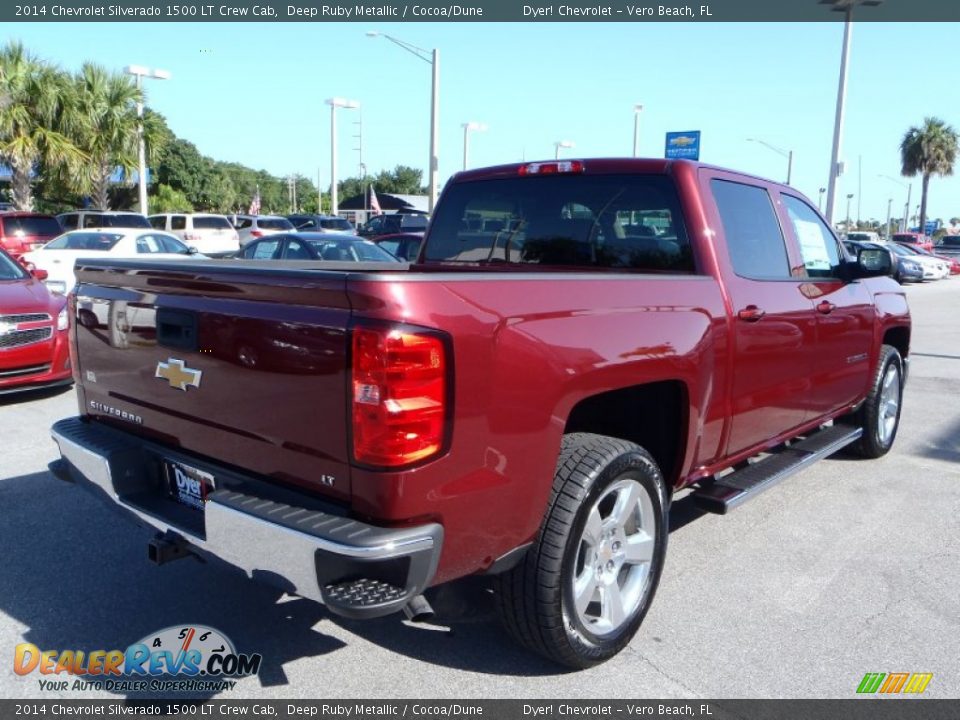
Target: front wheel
point(584, 587)
point(879, 416)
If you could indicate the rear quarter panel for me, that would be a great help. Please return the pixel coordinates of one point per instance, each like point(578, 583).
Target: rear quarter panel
point(526, 349)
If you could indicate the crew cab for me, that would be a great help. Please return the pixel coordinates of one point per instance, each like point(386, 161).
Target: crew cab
point(576, 342)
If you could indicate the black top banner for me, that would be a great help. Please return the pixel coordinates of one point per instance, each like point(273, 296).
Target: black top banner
point(483, 11)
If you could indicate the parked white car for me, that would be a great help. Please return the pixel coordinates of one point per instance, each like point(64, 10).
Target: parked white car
point(59, 256)
point(210, 234)
point(933, 268)
point(252, 227)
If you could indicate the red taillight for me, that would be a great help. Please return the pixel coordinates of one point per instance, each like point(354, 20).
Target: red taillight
point(399, 396)
point(552, 168)
point(256, 233)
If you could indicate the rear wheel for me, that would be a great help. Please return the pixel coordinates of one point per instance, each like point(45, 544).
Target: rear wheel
point(879, 416)
point(583, 589)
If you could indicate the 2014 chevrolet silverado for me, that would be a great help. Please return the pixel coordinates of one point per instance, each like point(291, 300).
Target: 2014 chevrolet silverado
point(576, 342)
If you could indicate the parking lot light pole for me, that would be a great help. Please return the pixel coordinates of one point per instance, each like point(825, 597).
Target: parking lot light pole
point(335, 103)
point(433, 58)
point(561, 144)
point(637, 110)
point(844, 6)
point(846, 228)
point(906, 207)
point(886, 228)
point(140, 72)
point(788, 154)
point(467, 127)
point(820, 199)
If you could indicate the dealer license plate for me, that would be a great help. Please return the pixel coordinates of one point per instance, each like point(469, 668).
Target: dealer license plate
point(187, 485)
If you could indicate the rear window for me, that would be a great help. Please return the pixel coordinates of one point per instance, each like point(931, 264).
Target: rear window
point(351, 251)
point(98, 242)
point(31, 226)
point(211, 222)
point(905, 238)
point(413, 222)
point(336, 224)
point(950, 240)
point(629, 222)
point(275, 224)
point(123, 221)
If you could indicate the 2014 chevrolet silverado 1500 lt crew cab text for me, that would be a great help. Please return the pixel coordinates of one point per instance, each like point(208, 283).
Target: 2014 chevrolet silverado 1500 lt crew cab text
point(576, 342)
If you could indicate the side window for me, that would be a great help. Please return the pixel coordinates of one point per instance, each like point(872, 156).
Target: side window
point(178, 222)
point(264, 250)
point(159, 222)
point(754, 239)
point(295, 250)
point(243, 223)
point(69, 222)
point(149, 244)
point(92, 220)
point(818, 246)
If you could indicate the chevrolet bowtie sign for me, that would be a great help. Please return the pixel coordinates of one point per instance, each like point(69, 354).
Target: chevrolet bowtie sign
point(177, 374)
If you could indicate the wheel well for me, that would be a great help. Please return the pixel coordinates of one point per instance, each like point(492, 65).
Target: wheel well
point(898, 337)
point(652, 416)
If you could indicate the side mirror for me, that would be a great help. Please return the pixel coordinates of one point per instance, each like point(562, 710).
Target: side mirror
point(192, 250)
point(873, 263)
point(40, 273)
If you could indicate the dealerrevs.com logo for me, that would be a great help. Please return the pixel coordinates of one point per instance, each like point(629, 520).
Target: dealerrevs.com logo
point(186, 658)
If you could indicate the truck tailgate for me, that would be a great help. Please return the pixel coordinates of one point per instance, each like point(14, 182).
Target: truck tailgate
point(237, 361)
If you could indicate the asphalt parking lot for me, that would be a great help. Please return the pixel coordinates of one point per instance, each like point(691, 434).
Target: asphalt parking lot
point(848, 568)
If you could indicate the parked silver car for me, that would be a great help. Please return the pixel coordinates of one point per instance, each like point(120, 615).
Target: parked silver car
point(251, 227)
point(210, 234)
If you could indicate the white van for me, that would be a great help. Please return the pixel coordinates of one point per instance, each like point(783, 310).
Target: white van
point(212, 235)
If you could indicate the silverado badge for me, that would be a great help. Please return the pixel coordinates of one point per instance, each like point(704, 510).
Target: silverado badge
point(177, 374)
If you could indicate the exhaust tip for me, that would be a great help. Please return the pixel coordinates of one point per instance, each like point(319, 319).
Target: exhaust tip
point(418, 610)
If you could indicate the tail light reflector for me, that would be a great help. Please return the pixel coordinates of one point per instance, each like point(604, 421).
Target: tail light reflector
point(399, 396)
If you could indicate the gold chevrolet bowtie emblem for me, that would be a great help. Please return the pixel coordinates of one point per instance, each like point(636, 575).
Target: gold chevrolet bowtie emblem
point(179, 376)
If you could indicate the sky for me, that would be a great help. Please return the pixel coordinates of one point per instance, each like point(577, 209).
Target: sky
point(254, 93)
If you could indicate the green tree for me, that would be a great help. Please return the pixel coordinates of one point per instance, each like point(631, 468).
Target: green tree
point(36, 119)
point(109, 134)
point(926, 151)
point(166, 199)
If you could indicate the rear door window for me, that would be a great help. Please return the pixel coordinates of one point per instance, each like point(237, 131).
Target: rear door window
point(178, 222)
point(754, 238)
point(158, 222)
point(68, 221)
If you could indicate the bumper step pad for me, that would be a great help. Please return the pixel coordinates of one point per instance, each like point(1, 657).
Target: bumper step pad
point(362, 593)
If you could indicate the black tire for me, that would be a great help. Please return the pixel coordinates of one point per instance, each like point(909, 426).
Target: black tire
point(875, 442)
point(536, 598)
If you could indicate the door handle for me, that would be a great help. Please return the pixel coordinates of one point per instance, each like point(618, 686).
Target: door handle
point(751, 313)
point(825, 307)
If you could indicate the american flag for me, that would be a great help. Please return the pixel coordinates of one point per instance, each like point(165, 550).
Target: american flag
point(255, 204)
point(374, 203)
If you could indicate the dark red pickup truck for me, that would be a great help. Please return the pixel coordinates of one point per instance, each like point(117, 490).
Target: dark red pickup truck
point(578, 341)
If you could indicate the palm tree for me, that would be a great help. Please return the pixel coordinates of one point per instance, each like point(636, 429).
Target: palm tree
point(928, 150)
point(108, 103)
point(34, 120)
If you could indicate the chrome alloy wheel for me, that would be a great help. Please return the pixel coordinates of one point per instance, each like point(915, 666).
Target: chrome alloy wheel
point(612, 563)
point(889, 404)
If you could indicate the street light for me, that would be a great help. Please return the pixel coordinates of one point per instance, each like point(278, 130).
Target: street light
point(467, 127)
point(433, 58)
point(637, 110)
point(906, 207)
point(788, 154)
point(844, 6)
point(846, 228)
point(561, 144)
point(154, 74)
point(886, 230)
point(335, 103)
point(820, 199)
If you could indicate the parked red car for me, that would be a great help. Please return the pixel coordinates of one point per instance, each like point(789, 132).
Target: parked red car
point(22, 232)
point(915, 239)
point(34, 347)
